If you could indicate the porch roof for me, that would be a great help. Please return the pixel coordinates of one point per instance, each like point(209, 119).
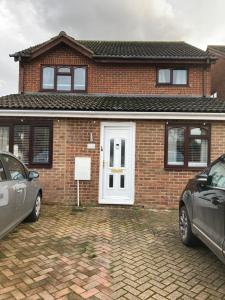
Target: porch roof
point(111, 103)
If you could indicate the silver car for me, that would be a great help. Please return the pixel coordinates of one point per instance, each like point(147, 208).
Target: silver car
point(20, 193)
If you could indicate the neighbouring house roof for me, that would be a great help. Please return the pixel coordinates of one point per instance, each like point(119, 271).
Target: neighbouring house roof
point(123, 49)
point(219, 48)
point(101, 103)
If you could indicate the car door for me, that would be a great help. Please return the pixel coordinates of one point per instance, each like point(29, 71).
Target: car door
point(18, 176)
point(209, 207)
point(7, 202)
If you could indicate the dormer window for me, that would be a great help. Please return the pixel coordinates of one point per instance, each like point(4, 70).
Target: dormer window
point(64, 78)
point(79, 79)
point(172, 76)
point(48, 74)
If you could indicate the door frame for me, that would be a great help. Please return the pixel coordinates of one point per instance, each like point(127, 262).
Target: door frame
point(132, 126)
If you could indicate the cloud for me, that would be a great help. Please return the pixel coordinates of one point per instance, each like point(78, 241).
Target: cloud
point(19, 28)
point(28, 22)
point(204, 21)
point(106, 19)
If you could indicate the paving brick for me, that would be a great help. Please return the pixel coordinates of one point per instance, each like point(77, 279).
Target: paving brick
point(78, 290)
point(62, 293)
point(18, 295)
point(146, 295)
point(51, 259)
point(89, 293)
point(175, 295)
point(46, 296)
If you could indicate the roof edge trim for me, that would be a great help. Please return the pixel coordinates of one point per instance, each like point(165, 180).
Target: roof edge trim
point(113, 115)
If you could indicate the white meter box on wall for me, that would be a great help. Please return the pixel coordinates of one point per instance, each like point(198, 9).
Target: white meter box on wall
point(82, 168)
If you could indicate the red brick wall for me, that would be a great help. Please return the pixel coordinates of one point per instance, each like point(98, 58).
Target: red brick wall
point(154, 186)
point(70, 138)
point(113, 78)
point(218, 75)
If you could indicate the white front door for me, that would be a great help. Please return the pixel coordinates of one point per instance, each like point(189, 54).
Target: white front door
point(117, 163)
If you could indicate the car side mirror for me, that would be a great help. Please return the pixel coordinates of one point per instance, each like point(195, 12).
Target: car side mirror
point(33, 175)
point(202, 178)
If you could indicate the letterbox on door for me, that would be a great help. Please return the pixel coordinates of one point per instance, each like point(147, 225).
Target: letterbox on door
point(82, 168)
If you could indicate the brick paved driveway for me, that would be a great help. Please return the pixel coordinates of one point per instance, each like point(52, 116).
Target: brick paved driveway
point(106, 254)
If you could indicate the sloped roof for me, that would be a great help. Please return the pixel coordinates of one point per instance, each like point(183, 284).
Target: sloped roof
point(128, 49)
point(73, 102)
point(220, 48)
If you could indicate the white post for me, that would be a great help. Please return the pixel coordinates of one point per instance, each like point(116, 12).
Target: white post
point(78, 193)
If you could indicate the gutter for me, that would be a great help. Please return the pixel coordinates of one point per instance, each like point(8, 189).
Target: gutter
point(97, 57)
point(152, 57)
point(114, 115)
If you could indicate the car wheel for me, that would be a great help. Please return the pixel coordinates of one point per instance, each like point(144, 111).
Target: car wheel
point(34, 215)
point(186, 235)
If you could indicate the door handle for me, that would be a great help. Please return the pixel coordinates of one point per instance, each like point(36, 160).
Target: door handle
point(117, 170)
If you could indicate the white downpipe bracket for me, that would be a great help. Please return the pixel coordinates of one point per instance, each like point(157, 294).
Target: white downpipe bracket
point(78, 193)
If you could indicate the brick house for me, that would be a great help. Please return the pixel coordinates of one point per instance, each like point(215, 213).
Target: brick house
point(140, 110)
point(218, 70)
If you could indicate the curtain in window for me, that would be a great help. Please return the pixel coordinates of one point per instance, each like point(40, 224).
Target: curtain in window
point(176, 146)
point(198, 153)
point(79, 78)
point(198, 131)
point(64, 70)
point(4, 139)
point(48, 78)
point(41, 145)
point(21, 142)
point(179, 76)
point(63, 83)
point(164, 76)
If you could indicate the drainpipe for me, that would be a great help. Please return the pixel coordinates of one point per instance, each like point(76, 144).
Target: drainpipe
point(203, 81)
point(21, 76)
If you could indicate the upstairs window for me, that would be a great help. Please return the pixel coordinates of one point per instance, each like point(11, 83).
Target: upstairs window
point(64, 78)
point(187, 146)
point(48, 77)
point(170, 76)
point(164, 76)
point(79, 79)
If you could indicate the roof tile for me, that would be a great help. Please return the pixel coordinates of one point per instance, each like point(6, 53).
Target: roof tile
point(110, 103)
point(130, 49)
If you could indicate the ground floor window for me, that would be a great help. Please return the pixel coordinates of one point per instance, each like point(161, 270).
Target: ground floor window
point(187, 146)
point(28, 140)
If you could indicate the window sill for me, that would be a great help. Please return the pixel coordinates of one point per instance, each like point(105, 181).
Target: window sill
point(63, 92)
point(39, 166)
point(174, 168)
point(171, 85)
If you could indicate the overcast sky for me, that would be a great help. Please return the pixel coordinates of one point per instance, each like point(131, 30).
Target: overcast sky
point(27, 22)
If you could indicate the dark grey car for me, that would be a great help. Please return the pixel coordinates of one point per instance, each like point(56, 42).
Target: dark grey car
point(202, 209)
point(20, 193)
